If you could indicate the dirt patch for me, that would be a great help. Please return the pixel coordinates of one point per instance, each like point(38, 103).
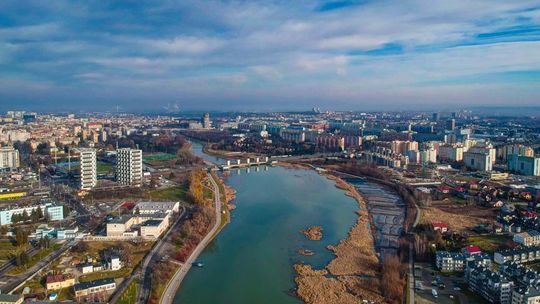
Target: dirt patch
point(458, 218)
point(313, 233)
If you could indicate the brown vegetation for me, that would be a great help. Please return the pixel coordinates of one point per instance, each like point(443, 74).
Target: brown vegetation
point(195, 191)
point(313, 233)
point(355, 256)
point(393, 279)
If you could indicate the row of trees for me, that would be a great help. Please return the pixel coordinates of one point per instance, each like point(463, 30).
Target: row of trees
point(35, 216)
point(196, 187)
point(393, 279)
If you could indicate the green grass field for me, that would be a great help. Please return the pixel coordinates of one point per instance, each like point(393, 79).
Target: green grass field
point(124, 272)
point(34, 259)
point(488, 243)
point(159, 157)
point(130, 295)
point(176, 193)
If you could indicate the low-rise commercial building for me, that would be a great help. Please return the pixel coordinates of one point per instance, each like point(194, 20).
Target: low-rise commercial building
point(97, 286)
point(153, 207)
point(53, 212)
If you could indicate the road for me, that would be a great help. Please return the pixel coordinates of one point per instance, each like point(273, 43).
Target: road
point(173, 285)
point(12, 283)
point(143, 292)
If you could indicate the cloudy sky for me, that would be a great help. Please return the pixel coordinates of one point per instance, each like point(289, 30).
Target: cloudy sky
point(268, 55)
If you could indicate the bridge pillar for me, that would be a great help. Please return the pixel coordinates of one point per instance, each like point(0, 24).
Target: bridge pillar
point(266, 159)
point(228, 163)
point(257, 160)
point(238, 161)
point(248, 161)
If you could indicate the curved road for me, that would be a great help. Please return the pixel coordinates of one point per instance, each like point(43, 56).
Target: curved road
point(173, 285)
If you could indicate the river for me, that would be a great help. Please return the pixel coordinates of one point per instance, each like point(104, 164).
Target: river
point(251, 260)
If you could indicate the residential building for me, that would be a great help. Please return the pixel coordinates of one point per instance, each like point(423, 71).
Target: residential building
point(97, 286)
point(114, 263)
point(503, 152)
point(478, 161)
point(518, 255)
point(402, 147)
point(492, 286)
point(9, 158)
point(88, 171)
point(129, 167)
point(206, 123)
point(449, 261)
point(57, 282)
point(524, 165)
point(526, 295)
point(452, 153)
point(332, 142)
point(528, 238)
point(295, 136)
point(11, 298)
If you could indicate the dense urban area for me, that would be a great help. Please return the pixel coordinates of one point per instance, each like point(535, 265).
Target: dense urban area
point(116, 207)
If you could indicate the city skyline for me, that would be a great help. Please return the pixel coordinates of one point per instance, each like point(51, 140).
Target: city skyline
point(343, 55)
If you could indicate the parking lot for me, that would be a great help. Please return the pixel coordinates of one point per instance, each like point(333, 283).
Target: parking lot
point(450, 288)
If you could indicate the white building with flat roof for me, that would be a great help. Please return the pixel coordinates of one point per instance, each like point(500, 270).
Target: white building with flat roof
point(88, 168)
point(129, 167)
point(9, 158)
point(153, 207)
point(478, 161)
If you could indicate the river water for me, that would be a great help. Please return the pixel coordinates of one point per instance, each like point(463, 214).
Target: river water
point(251, 260)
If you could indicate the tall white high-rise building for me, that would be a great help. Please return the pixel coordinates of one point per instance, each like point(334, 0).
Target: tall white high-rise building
point(129, 167)
point(88, 168)
point(9, 158)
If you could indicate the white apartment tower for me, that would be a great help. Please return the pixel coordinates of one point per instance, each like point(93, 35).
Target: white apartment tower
point(88, 168)
point(9, 158)
point(129, 167)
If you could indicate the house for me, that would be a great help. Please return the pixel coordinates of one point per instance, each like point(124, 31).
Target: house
point(528, 238)
point(439, 226)
point(471, 250)
point(113, 263)
point(11, 299)
point(97, 286)
point(56, 282)
point(86, 267)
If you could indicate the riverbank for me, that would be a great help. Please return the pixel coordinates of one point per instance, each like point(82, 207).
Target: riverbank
point(353, 275)
point(227, 154)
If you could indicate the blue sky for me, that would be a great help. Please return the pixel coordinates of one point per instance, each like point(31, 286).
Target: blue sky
point(268, 55)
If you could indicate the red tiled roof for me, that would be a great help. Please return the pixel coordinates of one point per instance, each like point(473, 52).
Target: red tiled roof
point(439, 225)
point(55, 278)
point(473, 249)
